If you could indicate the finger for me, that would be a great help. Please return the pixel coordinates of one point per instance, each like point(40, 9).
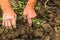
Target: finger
point(34, 15)
point(29, 21)
point(3, 23)
point(6, 24)
point(9, 24)
point(25, 17)
point(14, 23)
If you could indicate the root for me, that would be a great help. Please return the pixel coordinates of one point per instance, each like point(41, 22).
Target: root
point(46, 3)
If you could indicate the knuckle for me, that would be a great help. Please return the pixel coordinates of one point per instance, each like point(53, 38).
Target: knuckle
point(15, 14)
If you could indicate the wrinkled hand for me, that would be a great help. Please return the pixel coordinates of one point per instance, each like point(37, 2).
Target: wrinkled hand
point(29, 13)
point(9, 20)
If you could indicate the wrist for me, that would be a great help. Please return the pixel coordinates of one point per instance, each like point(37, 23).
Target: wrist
point(5, 5)
point(31, 3)
point(29, 7)
point(8, 10)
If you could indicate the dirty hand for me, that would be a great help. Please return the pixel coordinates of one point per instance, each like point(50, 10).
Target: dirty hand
point(28, 14)
point(9, 20)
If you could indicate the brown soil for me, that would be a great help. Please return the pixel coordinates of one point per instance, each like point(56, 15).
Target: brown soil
point(48, 30)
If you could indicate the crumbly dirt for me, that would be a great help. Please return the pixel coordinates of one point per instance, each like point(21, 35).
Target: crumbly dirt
point(48, 30)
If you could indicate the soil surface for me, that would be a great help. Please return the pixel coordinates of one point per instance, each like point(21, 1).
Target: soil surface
point(49, 29)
